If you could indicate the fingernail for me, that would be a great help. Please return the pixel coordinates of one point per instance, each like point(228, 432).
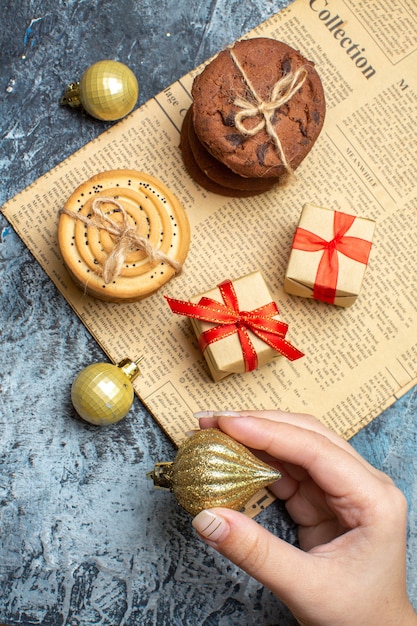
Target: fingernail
point(190, 433)
point(199, 414)
point(210, 526)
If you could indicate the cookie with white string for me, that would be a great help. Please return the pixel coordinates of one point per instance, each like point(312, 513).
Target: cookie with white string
point(258, 108)
point(122, 235)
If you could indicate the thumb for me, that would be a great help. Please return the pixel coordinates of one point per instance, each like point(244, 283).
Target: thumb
point(275, 563)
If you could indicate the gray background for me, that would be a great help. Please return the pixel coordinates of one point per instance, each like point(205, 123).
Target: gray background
point(84, 537)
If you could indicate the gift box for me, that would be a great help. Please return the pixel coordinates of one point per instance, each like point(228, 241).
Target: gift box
point(238, 326)
point(329, 255)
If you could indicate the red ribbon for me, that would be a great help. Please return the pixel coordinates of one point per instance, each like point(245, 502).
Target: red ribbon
point(328, 269)
point(231, 320)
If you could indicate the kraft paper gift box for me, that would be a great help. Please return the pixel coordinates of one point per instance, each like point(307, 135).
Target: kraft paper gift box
point(329, 255)
point(228, 354)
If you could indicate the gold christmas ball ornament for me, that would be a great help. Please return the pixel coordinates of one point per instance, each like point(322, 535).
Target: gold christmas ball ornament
point(211, 469)
point(108, 90)
point(102, 393)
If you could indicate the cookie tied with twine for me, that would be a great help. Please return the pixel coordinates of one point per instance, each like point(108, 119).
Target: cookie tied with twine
point(122, 235)
point(283, 90)
point(258, 108)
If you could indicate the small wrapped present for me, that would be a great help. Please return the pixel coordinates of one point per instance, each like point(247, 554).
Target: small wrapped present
point(237, 325)
point(329, 255)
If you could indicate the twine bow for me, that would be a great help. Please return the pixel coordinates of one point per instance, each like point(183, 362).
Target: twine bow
point(283, 90)
point(230, 320)
point(126, 237)
point(328, 270)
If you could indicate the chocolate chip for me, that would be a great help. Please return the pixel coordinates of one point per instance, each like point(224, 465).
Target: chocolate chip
point(236, 139)
point(316, 117)
point(302, 128)
point(286, 65)
point(229, 119)
point(261, 152)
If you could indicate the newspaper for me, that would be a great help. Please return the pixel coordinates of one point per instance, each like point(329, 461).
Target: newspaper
point(357, 360)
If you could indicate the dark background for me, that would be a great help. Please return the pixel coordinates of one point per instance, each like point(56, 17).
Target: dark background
point(84, 537)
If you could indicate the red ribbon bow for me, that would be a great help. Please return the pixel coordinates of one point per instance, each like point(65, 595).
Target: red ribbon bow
point(328, 269)
point(231, 320)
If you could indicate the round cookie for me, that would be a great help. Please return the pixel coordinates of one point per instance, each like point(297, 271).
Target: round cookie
point(260, 64)
point(126, 198)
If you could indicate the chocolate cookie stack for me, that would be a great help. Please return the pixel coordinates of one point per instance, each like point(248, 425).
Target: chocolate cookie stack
point(258, 108)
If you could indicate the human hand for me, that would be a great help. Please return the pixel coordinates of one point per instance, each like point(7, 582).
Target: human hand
point(351, 568)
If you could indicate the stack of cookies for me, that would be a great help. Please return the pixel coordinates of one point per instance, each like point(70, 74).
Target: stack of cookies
point(258, 108)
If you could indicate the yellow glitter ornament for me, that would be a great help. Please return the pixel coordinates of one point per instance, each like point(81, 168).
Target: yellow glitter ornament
point(212, 469)
point(102, 393)
point(108, 90)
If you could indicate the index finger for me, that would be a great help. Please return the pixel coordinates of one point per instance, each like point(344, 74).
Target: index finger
point(303, 420)
point(333, 468)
